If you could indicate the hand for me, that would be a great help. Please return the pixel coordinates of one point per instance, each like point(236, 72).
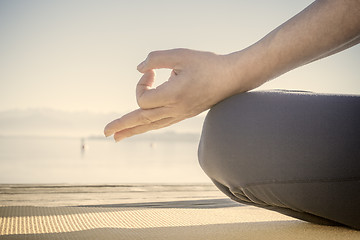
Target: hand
point(198, 81)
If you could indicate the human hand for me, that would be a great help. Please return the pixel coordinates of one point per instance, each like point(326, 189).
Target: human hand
point(197, 82)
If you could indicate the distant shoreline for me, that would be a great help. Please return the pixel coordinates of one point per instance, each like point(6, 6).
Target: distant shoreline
point(152, 136)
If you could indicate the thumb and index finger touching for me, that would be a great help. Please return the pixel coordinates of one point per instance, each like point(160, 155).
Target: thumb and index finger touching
point(161, 59)
point(149, 100)
point(148, 97)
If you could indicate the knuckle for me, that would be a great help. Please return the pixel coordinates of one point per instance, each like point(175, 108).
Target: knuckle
point(156, 125)
point(161, 123)
point(141, 103)
point(144, 104)
point(182, 51)
point(144, 119)
point(152, 55)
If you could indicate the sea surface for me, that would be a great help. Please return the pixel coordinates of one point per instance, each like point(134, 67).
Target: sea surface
point(59, 160)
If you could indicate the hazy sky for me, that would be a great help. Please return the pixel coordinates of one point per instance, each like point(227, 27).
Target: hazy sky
point(82, 55)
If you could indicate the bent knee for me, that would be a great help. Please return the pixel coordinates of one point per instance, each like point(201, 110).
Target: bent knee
point(219, 150)
point(266, 136)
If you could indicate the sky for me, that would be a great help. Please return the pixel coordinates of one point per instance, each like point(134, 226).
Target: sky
point(82, 55)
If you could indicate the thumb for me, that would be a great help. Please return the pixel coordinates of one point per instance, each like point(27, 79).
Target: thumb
point(162, 59)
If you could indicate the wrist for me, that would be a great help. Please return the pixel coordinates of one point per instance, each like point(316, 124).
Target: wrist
point(249, 68)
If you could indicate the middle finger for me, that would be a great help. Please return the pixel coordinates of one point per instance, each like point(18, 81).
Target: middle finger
point(137, 118)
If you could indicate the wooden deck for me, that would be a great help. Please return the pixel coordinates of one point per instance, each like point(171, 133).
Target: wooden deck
point(127, 195)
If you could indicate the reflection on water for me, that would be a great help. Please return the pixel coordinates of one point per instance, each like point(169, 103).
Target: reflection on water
point(62, 160)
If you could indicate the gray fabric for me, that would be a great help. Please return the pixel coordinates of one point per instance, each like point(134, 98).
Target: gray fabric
point(297, 153)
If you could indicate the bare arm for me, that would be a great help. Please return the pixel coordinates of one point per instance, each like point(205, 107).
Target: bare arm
point(322, 29)
point(201, 79)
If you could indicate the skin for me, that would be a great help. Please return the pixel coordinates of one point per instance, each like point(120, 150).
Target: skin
point(199, 80)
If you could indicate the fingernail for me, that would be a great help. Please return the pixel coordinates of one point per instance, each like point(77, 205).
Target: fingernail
point(141, 66)
point(107, 133)
point(118, 139)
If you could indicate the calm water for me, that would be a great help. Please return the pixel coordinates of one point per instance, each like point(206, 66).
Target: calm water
point(61, 160)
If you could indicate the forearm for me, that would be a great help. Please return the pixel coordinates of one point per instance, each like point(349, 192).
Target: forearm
point(322, 29)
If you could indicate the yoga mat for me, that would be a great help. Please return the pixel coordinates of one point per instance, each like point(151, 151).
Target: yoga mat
point(102, 222)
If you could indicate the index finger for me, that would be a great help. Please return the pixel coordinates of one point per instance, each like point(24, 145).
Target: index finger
point(162, 59)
